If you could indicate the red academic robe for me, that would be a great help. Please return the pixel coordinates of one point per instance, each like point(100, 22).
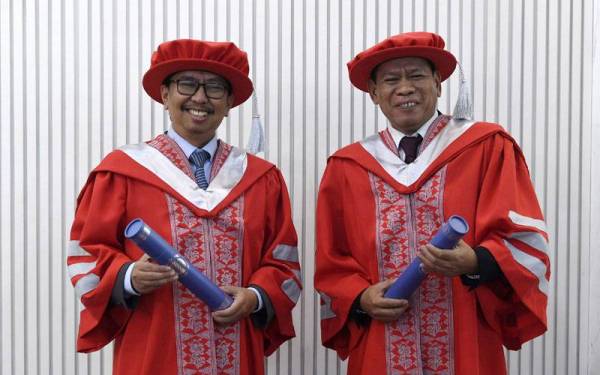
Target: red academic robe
point(238, 232)
point(374, 211)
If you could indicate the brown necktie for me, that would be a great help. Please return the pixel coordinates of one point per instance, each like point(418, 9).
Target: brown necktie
point(410, 146)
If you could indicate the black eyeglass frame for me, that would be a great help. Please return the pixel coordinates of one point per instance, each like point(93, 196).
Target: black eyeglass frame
point(226, 88)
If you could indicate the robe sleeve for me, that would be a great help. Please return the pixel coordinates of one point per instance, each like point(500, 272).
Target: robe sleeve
point(339, 278)
point(95, 256)
point(279, 272)
point(510, 224)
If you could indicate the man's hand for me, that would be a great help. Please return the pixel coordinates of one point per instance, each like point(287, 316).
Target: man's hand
point(459, 261)
point(378, 307)
point(244, 302)
point(148, 276)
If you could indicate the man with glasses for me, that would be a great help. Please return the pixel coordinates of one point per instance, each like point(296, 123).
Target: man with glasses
point(225, 210)
point(382, 199)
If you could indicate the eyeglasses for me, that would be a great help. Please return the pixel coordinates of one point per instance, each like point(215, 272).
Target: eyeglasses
point(189, 87)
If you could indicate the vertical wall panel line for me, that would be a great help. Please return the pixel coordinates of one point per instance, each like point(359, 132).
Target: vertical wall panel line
point(240, 112)
point(75, 140)
point(557, 183)
point(267, 79)
point(55, 230)
point(50, 196)
point(227, 37)
point(581, 192)
point(546, 165)
point(279, 90)
point(141, 70)
point(448, 34)
point(190, 20)
point(328, 99)
point(12, 183)
point(327, 77)
point(521, 72)
point(303, 228)
point(363, 46)
point(178, 18)
point(127, 67)
point(377, 38)
point(340, 55)
point(568, 173)
point(472, 83)
point(102, 75)
point(152, 46)
point(2, 179)
point(483, 95)
point(37, 185)
point(534, 104)
point(497, 63)
point(25, 127)
point(63, 136)
point(312, 295)
point(413, 15)
point(290, 343)
point(350, 88)
point(114, 96)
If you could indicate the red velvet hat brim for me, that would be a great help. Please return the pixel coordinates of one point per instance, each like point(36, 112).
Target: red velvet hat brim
point(241, 85)
point(360, 72)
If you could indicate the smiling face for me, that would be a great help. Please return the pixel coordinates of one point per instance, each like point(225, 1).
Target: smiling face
point(195, 117)
point(406, 90)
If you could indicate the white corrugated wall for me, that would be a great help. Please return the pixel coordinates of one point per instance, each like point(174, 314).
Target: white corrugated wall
point(70, 92)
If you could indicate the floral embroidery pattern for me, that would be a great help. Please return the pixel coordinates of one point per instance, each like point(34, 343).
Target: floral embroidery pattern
point(214, 246)
point(420, 342)
point(173, 152)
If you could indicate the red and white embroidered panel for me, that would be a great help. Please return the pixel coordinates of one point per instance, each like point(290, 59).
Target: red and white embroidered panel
point(214, 246)
point(421, 341)
point(436, 127)
point(173, 152)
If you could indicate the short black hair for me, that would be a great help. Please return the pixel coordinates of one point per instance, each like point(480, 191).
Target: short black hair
point(374, 70)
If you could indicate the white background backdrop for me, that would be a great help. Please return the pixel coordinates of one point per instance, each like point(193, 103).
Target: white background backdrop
point(70, 73)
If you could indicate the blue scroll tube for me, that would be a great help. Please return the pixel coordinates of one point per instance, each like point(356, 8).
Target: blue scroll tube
point(446, 238)
point(159, 250)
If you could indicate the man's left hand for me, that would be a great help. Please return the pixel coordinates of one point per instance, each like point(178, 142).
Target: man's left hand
point(459, 261)
point(244, 302)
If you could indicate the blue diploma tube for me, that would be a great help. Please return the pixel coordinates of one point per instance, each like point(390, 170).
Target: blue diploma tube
point(159, 250)
point(446, 238)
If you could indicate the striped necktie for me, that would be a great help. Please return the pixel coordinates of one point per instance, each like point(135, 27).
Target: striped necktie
point(198, 158)
point(410, 146)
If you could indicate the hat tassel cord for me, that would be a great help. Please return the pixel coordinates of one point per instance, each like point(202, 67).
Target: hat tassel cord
point(256, 141)
point(463, 110)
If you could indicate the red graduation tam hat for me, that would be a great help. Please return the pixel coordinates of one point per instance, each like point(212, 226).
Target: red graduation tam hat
point(426, 45)
point(222, 58)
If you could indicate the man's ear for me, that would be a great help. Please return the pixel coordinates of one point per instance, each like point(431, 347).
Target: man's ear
point(164, 93)
point(373, 91)
point(230, 100)
point(438, 83)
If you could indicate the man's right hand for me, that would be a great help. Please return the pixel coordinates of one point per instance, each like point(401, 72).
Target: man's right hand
point(147, 276)
point(378, 307)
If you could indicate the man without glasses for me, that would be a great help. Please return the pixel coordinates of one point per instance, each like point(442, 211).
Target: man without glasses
point(382, 199)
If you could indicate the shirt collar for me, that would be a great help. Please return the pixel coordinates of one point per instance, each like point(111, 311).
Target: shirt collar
point(398, 135)
point(188, 148)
